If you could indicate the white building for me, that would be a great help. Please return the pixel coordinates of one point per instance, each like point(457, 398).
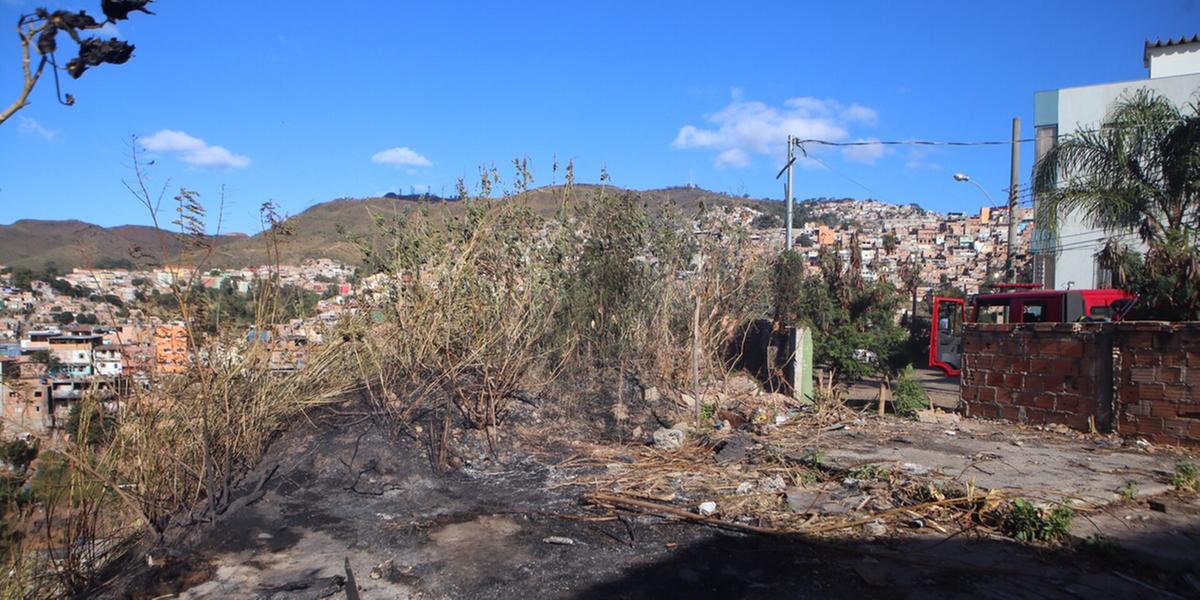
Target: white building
point(1068, 258)
point(107, 360)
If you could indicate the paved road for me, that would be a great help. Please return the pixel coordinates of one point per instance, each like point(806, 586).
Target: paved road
point(942, 390)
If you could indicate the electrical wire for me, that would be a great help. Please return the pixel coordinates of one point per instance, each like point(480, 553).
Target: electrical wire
point(1081, 244)
point(842, 175)
point(800, 142)
point(906, 143)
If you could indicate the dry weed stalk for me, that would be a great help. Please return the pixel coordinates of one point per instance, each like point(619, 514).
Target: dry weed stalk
point(477, 310)
point(171, 451)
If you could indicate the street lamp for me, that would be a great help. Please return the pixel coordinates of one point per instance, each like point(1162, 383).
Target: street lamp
point(963, 177)
point(1010, 247)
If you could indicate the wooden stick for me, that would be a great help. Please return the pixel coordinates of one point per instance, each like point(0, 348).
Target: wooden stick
point(600, 498)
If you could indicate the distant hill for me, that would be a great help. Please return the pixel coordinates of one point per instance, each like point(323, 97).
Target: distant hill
point(66, 244)
point(315, 232)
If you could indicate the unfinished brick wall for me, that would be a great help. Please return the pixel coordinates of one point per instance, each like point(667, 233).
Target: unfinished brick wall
point(1139, 379)
point(1158, 380)
point(1040, 373)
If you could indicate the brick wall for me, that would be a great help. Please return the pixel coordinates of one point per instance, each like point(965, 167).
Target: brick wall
point(1158, 382)
point(1136, 378)
point(1041, 373)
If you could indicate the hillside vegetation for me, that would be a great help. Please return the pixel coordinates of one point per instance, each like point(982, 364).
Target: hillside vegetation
point(323, 230)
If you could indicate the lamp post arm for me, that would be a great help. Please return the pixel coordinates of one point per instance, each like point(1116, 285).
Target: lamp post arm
point(984, 190)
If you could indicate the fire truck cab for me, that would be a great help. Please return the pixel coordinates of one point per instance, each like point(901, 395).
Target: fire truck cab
point(1028, 305)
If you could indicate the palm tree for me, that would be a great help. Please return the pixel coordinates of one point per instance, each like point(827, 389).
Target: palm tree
point(1140, 171)
point(910, 279)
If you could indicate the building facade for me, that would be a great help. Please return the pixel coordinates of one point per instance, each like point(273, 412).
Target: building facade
point(171, 349)
point(1067, 258)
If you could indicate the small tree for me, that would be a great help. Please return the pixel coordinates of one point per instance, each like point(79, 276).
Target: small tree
point(910, 279)
point(767, 220)
point(787, 286)
point(90, 423)
point(890, 242)
point(18, 454)
point(909, 397)
point(47, 358)
point(854, 328)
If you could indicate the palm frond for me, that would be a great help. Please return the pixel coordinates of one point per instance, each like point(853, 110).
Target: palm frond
point(1136, 172)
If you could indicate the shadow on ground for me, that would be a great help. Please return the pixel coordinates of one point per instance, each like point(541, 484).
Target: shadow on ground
point(340, 491)
point(734, 566)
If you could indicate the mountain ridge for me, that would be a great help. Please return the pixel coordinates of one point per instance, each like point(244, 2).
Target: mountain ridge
point(321, 230)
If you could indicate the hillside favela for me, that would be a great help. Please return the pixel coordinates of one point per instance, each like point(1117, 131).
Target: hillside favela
point(612, 300)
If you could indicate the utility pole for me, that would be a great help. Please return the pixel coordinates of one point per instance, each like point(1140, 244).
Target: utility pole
point(787, 193)
point(1010, 266)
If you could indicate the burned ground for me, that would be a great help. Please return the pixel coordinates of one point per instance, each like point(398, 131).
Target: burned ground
point(339, 489)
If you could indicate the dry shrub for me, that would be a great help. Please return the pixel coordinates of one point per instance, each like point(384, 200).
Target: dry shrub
point(169, 451)
point(479, 309)
point(464, 312)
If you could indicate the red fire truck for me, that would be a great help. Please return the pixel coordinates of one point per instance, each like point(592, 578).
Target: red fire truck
point(1025, 303)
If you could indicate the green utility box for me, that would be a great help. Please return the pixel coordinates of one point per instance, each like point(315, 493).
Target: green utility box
point(800, 368)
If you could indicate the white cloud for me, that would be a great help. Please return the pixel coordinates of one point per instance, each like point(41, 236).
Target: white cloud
point(864, 154)
point(193, 150)
point(30, 127)
point(746, 127)
point(917, 161)
point(735, 157)
point(400, 156)
point(861, 114)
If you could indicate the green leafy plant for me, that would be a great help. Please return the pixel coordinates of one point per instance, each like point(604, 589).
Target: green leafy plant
point(804, 477)
point(18, 454)
point(1102, 547)
point(1187, 476)
point(1027, 522)
point(870, 473)
point(1129, 491)
point(909, 397)
point(850, 317)
point(814, 458)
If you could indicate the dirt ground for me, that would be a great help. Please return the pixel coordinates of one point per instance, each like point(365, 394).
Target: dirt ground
point(340, 492)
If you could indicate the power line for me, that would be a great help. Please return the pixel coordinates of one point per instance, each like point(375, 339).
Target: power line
point(1081, 244)
point(970, 143)
point(908, 143)
point(842, 175)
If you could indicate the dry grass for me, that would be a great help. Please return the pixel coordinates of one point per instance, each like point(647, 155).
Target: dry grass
point(481, 310)
point(751, 494)
point(465, 317)
point(170, 451)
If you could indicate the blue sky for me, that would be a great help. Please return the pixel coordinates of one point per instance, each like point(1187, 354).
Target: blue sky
point(302, 101)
